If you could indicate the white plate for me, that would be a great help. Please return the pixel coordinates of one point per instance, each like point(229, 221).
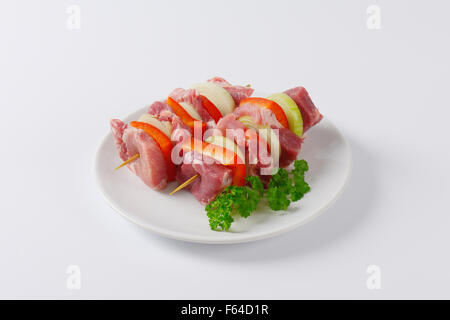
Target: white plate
point(181, 217)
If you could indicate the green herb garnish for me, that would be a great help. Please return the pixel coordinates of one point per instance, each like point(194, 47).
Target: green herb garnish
point(284, 187)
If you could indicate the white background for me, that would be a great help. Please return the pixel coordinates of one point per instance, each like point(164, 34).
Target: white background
point(387, 90)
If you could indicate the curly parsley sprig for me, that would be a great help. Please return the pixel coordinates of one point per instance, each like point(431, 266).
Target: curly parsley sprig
point(284, 187)
point(241, 200)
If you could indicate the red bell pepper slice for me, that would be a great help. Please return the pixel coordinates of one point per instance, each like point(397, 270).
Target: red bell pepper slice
point(271, 105)
point(184, 116)
point(211, 108)
point(164, 144)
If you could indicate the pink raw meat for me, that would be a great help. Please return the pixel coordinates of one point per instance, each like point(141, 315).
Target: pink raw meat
point(310, 114)
point(237, 92)
point(158, 107)
point(150, 166)
point(290, 143)
point(213, 178)
point(117, 129)
point(259, 115)
point(163, 112)
point(229, 122)
point(190, 96)
point(290, 146)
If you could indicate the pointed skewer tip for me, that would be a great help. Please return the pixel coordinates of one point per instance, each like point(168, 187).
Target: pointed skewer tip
point(184, 184)
point(137, 155)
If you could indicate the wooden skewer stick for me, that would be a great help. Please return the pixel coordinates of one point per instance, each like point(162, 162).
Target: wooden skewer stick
point(137, 155)
point(184, 184)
